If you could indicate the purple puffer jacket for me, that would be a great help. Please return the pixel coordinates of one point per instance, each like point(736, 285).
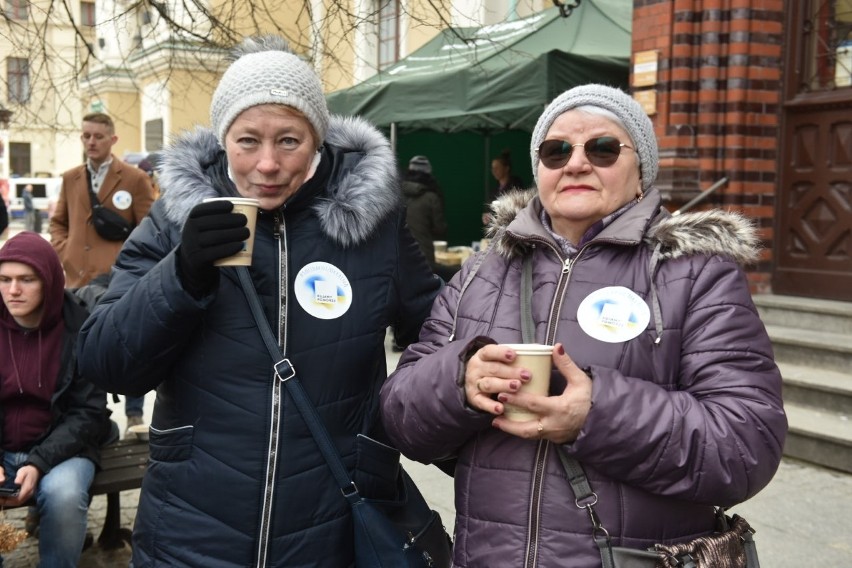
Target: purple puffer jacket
point(685, 415)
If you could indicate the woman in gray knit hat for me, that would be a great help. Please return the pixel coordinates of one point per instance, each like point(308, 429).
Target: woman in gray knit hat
point(235, 477)
point(663, 385)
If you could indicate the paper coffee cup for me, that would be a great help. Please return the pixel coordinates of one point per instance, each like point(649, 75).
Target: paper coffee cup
point(247, 207)
point(538, 360)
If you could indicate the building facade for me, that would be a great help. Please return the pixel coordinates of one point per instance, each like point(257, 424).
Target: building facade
point(41, 52)
point(752, 97)
point(757, 95)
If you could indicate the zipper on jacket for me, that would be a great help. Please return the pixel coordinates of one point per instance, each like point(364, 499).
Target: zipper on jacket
point(556, 306)
point(279, 232)
point(533, 524)
point(544, 445)
point(534, 521)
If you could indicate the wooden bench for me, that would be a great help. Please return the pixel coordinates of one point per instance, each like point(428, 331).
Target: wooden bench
point(123, 464)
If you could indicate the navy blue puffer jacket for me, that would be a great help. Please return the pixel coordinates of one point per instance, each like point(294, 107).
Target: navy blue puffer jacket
point(235, 478)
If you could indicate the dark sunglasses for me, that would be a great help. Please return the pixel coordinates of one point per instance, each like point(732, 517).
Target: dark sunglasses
point(602, 152)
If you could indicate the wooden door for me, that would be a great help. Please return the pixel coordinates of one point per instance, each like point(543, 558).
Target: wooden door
point(813, 243)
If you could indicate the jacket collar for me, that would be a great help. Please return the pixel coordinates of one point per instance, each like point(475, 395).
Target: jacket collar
point(516, 223)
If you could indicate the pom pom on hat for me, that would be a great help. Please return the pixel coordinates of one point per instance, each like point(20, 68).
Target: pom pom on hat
point(636, 122)
point(420, 164)
point(265, 71)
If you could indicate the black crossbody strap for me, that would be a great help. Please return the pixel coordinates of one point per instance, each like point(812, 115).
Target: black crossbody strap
point(286, 373)
point(527, 323)
point(92, 196)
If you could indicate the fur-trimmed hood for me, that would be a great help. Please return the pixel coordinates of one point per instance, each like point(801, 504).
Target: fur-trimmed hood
point(714, 232)
point(363, 189)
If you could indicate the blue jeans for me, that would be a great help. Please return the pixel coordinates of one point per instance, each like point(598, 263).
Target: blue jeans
point(133, 405)
point(62, 498)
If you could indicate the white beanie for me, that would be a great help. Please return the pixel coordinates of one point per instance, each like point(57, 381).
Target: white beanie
point(420, 164)
point(265, 71)
point(622, 105)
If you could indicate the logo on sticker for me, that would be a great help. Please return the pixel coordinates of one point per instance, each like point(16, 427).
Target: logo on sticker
point(323, 290)
point(614, 314)
point(122, 199)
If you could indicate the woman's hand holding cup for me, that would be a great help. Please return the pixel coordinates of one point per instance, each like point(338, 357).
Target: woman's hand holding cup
point(559, 418)
point(490, 372)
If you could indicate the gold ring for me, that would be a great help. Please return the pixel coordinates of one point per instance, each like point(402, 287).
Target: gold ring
point(540, 428)
point(479, 385)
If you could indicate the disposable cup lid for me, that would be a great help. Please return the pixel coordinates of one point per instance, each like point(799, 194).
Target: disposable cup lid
point(530, 348)
point(236, 200)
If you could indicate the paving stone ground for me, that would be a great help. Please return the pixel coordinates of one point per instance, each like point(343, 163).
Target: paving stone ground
point(26, 555)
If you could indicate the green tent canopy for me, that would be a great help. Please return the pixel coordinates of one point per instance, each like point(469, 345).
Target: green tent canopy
point(496, 77)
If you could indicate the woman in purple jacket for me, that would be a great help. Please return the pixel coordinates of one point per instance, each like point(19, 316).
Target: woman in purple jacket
point(664, 385)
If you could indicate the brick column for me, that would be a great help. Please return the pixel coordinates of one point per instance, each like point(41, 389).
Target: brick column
point(718, 95)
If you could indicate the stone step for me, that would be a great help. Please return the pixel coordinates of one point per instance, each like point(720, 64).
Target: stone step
point(819, 437)
point(818, 349)
point(817, 388)
point(805, 313)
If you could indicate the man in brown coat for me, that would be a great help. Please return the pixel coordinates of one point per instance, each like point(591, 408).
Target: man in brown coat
point(118, 186)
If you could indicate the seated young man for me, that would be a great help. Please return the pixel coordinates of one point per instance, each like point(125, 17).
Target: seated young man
point(51, 419)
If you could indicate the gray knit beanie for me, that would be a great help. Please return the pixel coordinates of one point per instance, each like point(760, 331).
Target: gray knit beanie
point(420, 164)
point(264, 71)
point(622, 105)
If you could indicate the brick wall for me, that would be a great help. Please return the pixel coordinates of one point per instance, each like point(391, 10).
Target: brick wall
point(718, 95)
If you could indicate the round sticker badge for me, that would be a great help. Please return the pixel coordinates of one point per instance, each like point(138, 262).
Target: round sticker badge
point(614, 314)
point(122, 199)
point(323, 290)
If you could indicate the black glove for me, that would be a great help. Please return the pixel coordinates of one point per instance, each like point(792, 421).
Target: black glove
point(211, 232)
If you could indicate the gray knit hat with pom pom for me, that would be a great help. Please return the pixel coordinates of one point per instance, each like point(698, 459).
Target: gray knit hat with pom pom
point(265, 71)
point(622, 105)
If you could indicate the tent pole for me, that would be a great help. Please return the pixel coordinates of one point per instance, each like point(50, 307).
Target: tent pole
point(487, 178)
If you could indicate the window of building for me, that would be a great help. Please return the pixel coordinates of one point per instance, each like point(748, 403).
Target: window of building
point(388, 31)
point(20, 162)
point(17, 9)
point(154, 135)
point(87, 13)
point(828, 44)
point(18, 79)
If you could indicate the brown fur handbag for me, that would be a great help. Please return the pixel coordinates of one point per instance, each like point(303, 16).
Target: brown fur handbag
point(730, 546)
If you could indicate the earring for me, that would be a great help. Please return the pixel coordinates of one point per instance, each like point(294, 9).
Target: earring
point(640, 195)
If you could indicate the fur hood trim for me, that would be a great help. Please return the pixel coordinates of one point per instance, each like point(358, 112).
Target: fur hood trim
point(364, 192)
point(714, 232)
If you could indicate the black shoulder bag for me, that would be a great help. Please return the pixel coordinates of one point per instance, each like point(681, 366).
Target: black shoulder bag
point(400, 531)
point(108, 224)
point(730, 546)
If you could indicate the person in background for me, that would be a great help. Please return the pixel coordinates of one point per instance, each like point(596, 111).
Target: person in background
point(5, 190)
point(663, 385)
point(52, 420)
point(5, 215)
point(236, 479)
point(118, 186)
point(424, 207)
point(4, 219)
point(147, 166)
point(424, 215)
point(30, 212)
point(501, 169)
